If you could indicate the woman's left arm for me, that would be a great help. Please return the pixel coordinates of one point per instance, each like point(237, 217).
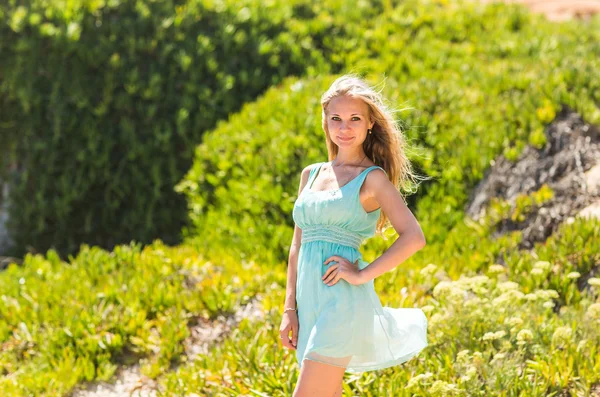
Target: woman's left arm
point(411, 238)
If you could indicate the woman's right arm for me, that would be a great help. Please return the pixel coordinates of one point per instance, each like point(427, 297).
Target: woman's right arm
point(289, 322)
point(290, 294)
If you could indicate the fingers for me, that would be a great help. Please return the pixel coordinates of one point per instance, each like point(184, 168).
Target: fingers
point(329, 271)
point(334, 273)
point(338, 277)
point(329, 275)
point(295, 337)
point(287, 342)
point(334, 258)
point(333, 278)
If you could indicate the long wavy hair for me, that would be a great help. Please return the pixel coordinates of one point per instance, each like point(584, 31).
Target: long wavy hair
point(385, 146)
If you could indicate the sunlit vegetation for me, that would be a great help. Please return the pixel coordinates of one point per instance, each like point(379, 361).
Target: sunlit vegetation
point(474, 82)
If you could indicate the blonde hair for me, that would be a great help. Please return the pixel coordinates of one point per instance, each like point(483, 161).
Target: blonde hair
point(385, 146)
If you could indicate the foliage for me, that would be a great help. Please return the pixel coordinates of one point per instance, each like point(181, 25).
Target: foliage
point(501, 320)
point(489, 332)
point(63, 323)
point(241, 195)
point(102, 103)
point(478, 90)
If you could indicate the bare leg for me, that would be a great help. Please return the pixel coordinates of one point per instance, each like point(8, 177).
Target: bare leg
point(317, 379)
point(340, 391)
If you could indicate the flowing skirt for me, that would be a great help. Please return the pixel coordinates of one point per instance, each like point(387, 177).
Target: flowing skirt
point(345, 325)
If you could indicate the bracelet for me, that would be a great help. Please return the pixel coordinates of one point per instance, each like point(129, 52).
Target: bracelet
point(289, 308)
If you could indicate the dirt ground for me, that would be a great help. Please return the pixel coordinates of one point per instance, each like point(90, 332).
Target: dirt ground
point(559, 10)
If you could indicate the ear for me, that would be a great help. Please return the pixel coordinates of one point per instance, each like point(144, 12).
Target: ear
point(372, 124)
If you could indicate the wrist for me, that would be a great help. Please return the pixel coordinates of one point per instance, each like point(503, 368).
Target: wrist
point(289, 303)
point(364, 278)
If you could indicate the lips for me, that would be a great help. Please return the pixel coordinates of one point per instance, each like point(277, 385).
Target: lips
point(345, 139)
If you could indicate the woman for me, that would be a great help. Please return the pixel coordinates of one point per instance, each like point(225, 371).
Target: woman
point(331, 309)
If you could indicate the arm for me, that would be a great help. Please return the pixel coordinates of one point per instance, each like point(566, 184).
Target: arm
point(292, 271)
point(411, 238)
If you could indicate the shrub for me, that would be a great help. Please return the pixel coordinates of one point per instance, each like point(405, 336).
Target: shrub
point(479, 90)
point(103, 103)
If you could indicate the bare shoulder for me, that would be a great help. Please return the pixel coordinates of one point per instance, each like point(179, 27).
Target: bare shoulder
point(306, 171)
point(376, 180)
point(305, 174)
point(308, 168)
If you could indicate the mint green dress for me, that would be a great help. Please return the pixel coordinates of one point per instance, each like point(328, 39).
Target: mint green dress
point(345, 325)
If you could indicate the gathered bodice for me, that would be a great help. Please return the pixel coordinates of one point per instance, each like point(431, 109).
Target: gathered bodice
point(335, 215)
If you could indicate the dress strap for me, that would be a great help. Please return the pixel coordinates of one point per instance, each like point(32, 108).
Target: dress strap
point(359, 181)
point(313, 173)
point(363, 175)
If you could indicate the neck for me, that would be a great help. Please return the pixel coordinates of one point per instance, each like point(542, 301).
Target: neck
point(344, 158)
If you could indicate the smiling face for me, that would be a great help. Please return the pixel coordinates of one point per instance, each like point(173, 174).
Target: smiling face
point(348, 121)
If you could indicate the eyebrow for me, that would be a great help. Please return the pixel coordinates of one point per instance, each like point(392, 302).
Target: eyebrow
point(353, 114)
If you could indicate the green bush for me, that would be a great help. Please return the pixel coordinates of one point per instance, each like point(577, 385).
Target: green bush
point(242, 186)
point(103, 103)
point(527, 328)
point(474, 77)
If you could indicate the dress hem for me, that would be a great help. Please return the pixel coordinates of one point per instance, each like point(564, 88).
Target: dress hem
point(358, 369)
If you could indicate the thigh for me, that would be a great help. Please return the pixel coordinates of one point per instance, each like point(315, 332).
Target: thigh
point(318, 380)
point(340, 390)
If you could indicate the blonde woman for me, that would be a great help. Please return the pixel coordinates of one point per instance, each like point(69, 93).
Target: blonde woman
point(335, 318)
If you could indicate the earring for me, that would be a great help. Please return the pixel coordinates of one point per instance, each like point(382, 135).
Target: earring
point(370, 131)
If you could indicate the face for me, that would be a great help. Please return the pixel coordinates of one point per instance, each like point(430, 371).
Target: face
point(348, 121)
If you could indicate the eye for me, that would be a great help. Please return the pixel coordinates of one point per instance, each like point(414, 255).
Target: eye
point(336, 118)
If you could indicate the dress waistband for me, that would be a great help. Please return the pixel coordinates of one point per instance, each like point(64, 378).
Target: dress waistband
point(332, 234)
